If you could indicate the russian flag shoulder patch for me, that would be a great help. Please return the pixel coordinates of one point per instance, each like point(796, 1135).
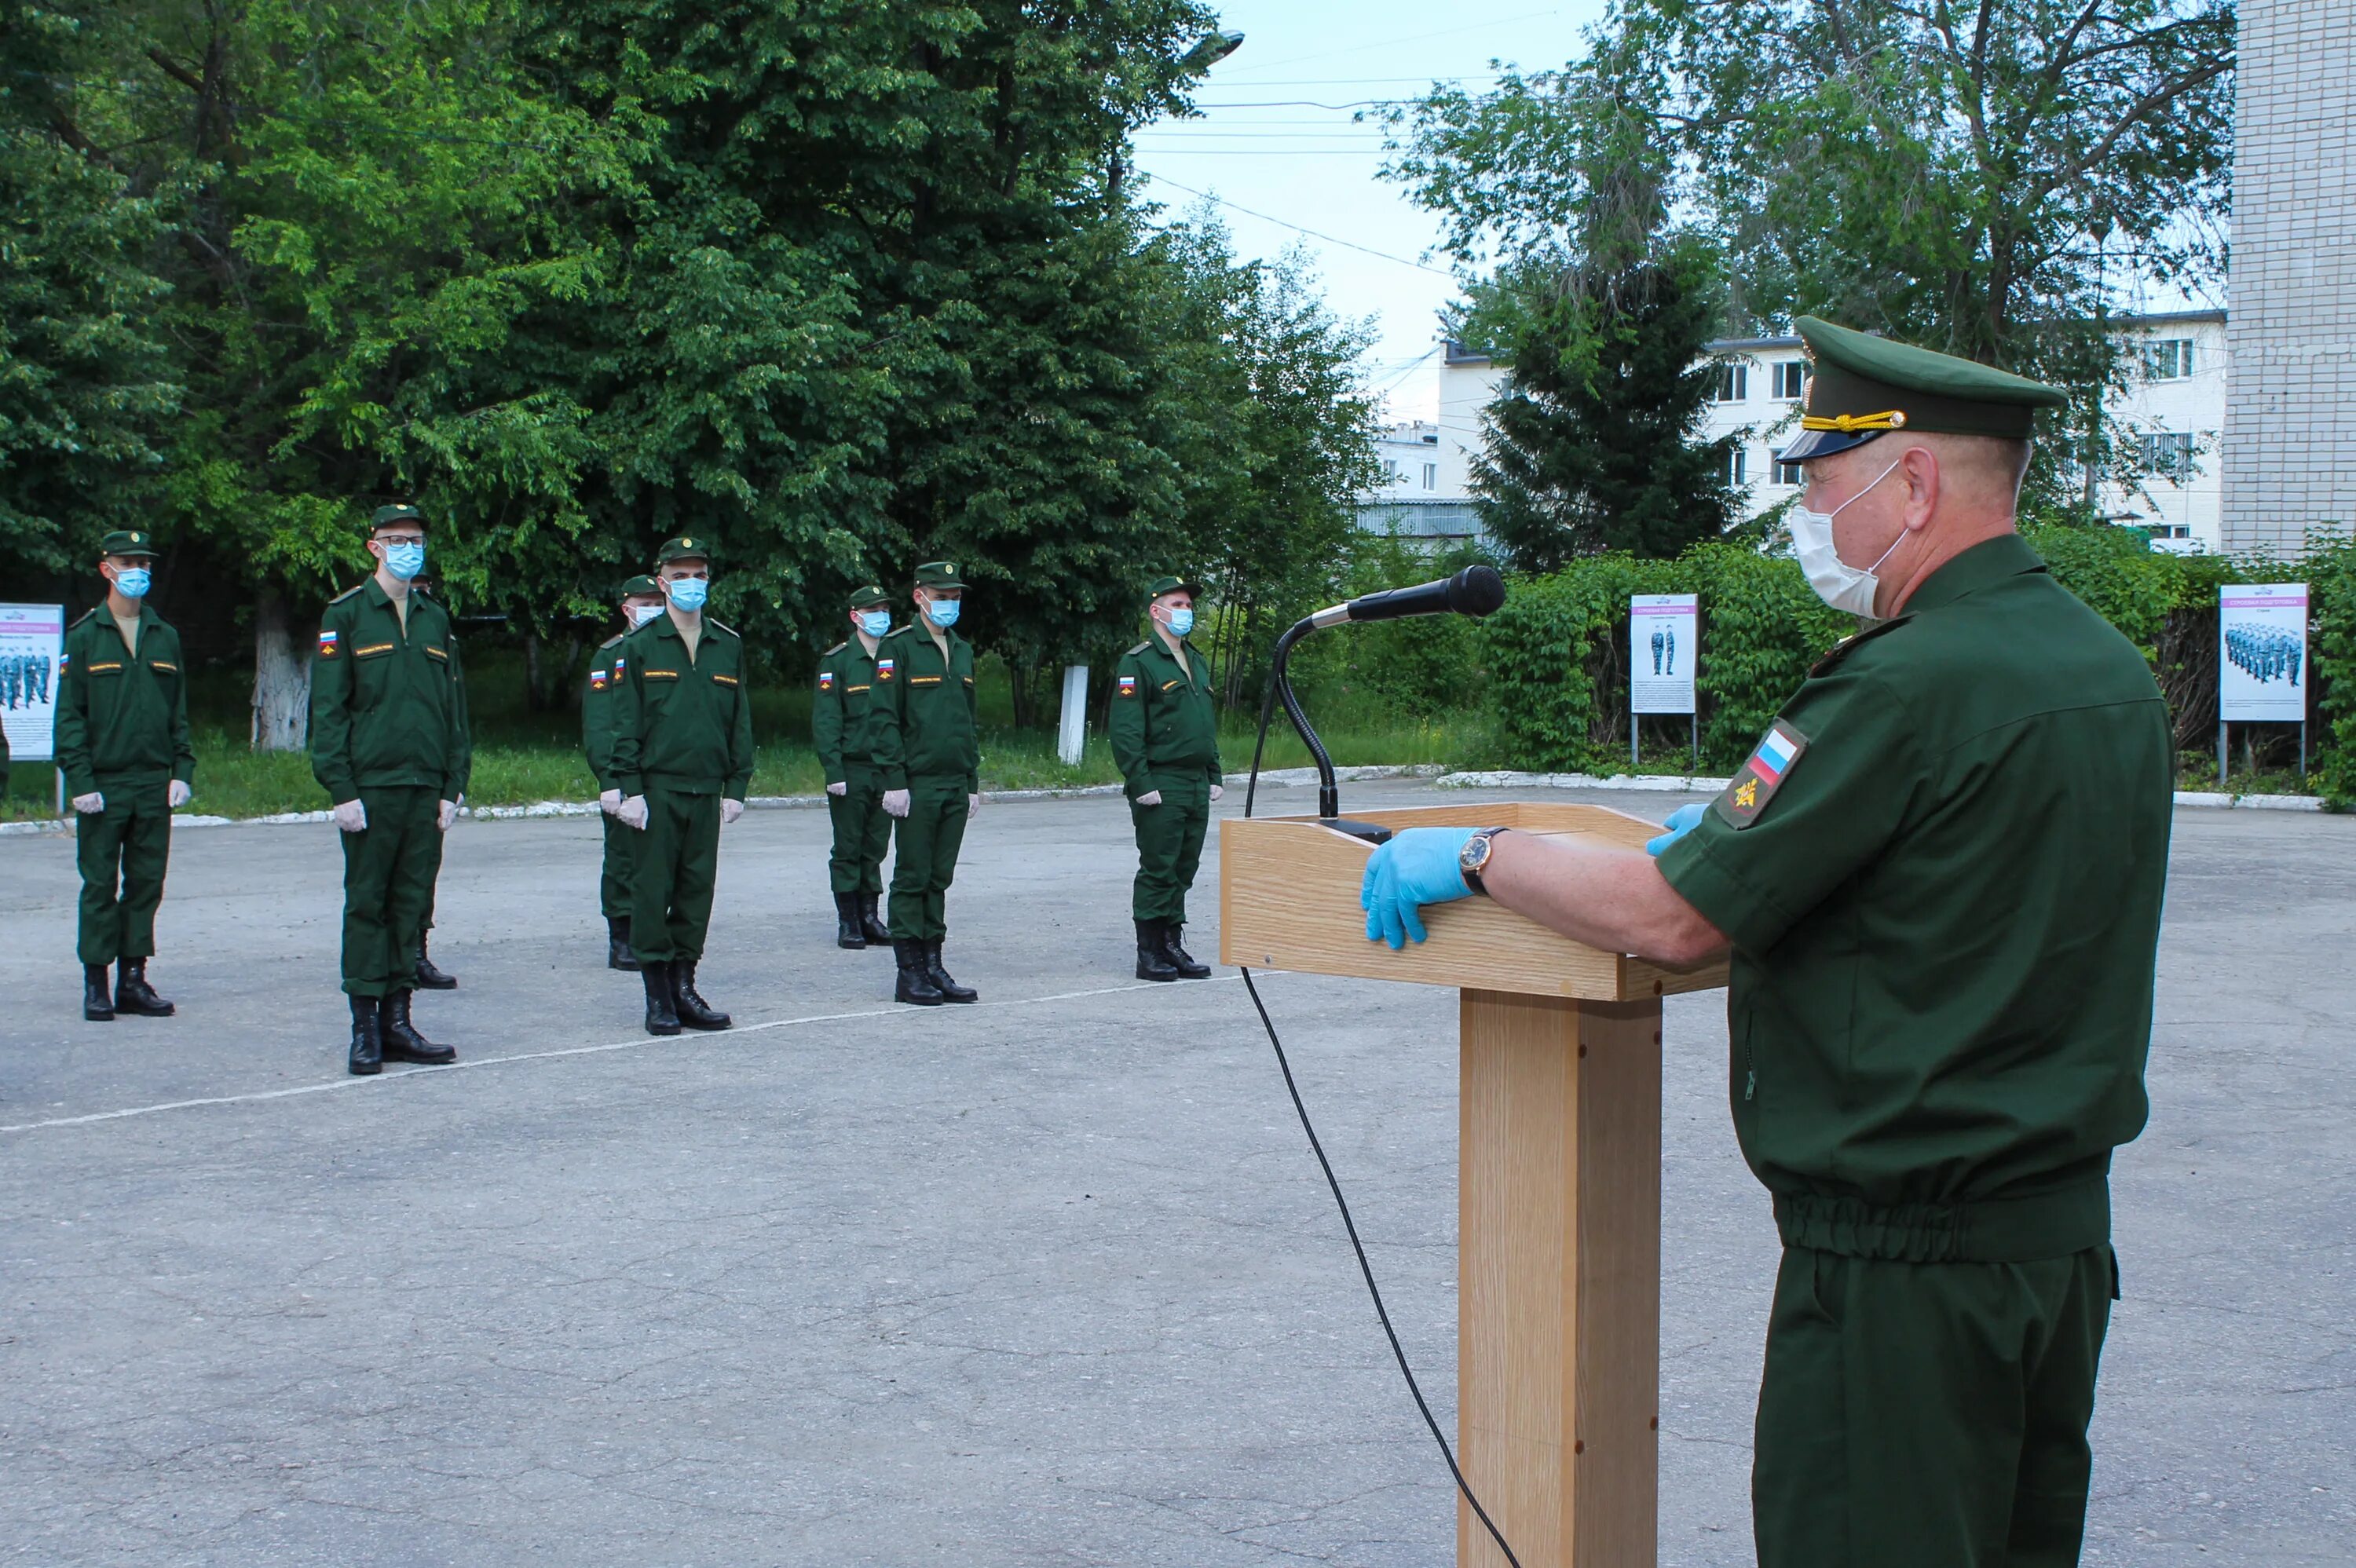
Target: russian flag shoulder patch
point(1128, 685)
point(1755, 783)
point(826, 680)
point(883, 668)
point(327, 642)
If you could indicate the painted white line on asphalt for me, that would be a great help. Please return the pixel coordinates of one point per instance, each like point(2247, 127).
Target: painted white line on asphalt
point(691, 1037)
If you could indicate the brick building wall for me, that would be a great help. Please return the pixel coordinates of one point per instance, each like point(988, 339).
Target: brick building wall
point(2289, 449)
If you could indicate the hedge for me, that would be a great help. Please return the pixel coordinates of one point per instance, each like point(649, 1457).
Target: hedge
point(1557, 652)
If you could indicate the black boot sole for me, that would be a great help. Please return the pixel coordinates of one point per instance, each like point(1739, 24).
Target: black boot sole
point(1145, 974)
point(662, 1029)
point(165, 1011)
point(718, 1021)
point(850, 944)
point(900, 994)
point(363, 1068)
point(419, 1059)
point(98, 1014)
point(440, 982)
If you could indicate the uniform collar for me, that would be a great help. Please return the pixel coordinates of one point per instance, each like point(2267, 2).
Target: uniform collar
point(1988, 562)
point(664, 625)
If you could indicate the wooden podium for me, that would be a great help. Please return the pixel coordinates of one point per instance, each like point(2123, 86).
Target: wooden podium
point(1558, 1324)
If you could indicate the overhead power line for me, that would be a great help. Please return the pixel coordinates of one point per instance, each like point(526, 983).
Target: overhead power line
point(1314, 234)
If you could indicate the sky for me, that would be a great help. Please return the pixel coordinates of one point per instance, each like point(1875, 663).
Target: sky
point(1280, 164)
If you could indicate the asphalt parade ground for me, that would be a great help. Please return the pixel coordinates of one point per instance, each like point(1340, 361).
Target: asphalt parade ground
point(1051, 1280)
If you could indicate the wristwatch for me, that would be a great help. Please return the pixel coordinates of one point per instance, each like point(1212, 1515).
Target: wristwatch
point(1475, 856)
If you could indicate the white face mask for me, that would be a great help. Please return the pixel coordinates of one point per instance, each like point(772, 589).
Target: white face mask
point(1836, 583)
point(641, 614)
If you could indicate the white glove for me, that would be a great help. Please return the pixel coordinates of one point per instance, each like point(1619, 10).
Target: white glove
point(446, 816)
point(1151, 797)
point(838, 789)
point(352, 816)
point(609, 801)
point(177, 795)
point(89, 804)
point(1218, 789)
point(973, 805)
point(730, 810)
point(895, 802)
point(632, 813)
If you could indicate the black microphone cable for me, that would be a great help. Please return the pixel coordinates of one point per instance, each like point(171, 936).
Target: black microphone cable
point(1365, 1269)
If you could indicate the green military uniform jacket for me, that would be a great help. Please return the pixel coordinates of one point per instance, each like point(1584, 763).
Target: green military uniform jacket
point(682, 724)
point(927, 723)
point(597, 711)
point(1942, 876)
point(123, 718)
point(388, 704)
point(1166, 726)
point(846, 710)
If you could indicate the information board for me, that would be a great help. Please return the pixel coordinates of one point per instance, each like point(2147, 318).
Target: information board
point(32, 639)
point(2262, 670)
point(1664, 646)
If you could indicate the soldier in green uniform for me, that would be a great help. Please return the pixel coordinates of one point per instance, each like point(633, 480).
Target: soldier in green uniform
point(388, 745)
point(1165, 740)
point(122, 739)
point(929, 749)
point(842, 720)
point(682, 760)
point(430, 976)
point(1940, 874)
point(642, 601)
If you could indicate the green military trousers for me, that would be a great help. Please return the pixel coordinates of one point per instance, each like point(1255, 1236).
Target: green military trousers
point(388, 886)
point(1169, 848)
point(861, 831)
point(433, 874)
point(925, 860)
point(671, 877)
point(621, 854)
point(122, 851)
point(1928, 1414)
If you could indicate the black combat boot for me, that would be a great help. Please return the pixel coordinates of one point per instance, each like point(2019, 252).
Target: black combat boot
point(402, 1040)
point(96, 1005)
point(1152, 964)
point(693, 1012)
point(913, 984)
point(368, 1039)
point(132, 994)
point(949, 990)
point(661, 1018)
point(1189, 967)
point(430, 977)
point(617, 944)
point(847, 931)
point(871, 925)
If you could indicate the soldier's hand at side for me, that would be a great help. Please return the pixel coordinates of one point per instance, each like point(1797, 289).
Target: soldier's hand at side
point(838, 788)
point(351, 816)
point(730, 810)
point(178, 794)
point(1218, 789)
point(1680, 822)
point(89, 804)
point(446, 816)
point(632, 813)
point(1151, 797)
point(895, 802)
point(609, 801)
point(972, 806)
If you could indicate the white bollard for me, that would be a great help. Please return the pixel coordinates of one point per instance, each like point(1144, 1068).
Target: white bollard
point(1072, 734)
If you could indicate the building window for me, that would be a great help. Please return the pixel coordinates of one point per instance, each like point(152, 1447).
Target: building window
point(1738, 465)
point(2168, 453)
point(1431, 476)
point(1789, 474)
point(2168, 358)
point(1391, 475)
point(1733, 383)
point(1790, 379)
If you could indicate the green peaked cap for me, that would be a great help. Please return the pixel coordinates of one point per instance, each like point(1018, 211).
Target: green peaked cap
point(1861, 386)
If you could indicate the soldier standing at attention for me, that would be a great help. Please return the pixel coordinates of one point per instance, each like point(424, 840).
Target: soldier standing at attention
point(388, 743)
point(929, 749)
point(843, 722)
point(642, 601)
point(122, 744)
point(1940, 874)
point(1165, 740)
point(682, 762)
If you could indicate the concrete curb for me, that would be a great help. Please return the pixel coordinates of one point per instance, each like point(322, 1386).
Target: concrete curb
point(1668, 784)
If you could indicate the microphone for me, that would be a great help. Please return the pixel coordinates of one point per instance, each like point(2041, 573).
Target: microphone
point(1475, 591)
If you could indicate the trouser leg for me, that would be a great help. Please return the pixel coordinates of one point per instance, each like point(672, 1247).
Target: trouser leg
point(912, 865)
point(699, 873)
point(1932, 1414)
point(1158, 833)
point(849, 838)
point(146, 852)
point(673, 875)
point(1194, 821)
point(384, 868)
point(432, 871)
point(874, 828)
point(950, 803)
point(97, 852)
point(614, 878)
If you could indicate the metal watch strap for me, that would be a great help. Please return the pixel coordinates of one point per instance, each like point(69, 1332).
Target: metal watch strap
point(1469, 866)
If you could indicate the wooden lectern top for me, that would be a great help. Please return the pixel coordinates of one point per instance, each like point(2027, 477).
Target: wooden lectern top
point(1289, 900)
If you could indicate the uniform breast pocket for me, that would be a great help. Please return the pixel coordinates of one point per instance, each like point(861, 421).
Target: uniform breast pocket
point(656, 688)
point(372, 672)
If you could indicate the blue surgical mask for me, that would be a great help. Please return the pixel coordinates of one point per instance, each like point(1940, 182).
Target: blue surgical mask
point(687, 593)
point(1181, 621)
point(875, 622)
point(131, 581)
point(943, 611)
point(405, 558)
point(641, 614)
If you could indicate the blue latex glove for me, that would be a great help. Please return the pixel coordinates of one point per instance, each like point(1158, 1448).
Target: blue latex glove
point(1682, 821)
point(1416, 868)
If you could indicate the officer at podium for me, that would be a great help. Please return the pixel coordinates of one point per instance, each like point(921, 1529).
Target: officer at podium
point(1939, 875)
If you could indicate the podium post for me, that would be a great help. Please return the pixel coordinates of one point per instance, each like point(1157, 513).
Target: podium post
point(1559, 1169)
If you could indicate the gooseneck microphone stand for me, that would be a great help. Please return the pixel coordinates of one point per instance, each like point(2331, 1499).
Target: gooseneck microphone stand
point(1280, 690)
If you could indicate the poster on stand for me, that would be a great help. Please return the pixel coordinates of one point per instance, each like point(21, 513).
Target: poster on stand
point(32, 639)
point(1664, 646)
point(2261, 672)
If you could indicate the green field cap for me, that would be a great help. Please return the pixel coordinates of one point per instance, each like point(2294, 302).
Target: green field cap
point(128, 542)
point(687, 546)
point(401, 512)
point(869, 597)
point(1174, 585)
point(938, 574)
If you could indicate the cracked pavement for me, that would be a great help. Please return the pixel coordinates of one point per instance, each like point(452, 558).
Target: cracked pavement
point(1049, 1281)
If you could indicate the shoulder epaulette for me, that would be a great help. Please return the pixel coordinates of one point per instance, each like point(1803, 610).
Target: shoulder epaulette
point(836, 649)
point(1138, 649)
point(347, 592)
point(723, 627)
point(1849, 645)
point(610, 641)
point(89, 614)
